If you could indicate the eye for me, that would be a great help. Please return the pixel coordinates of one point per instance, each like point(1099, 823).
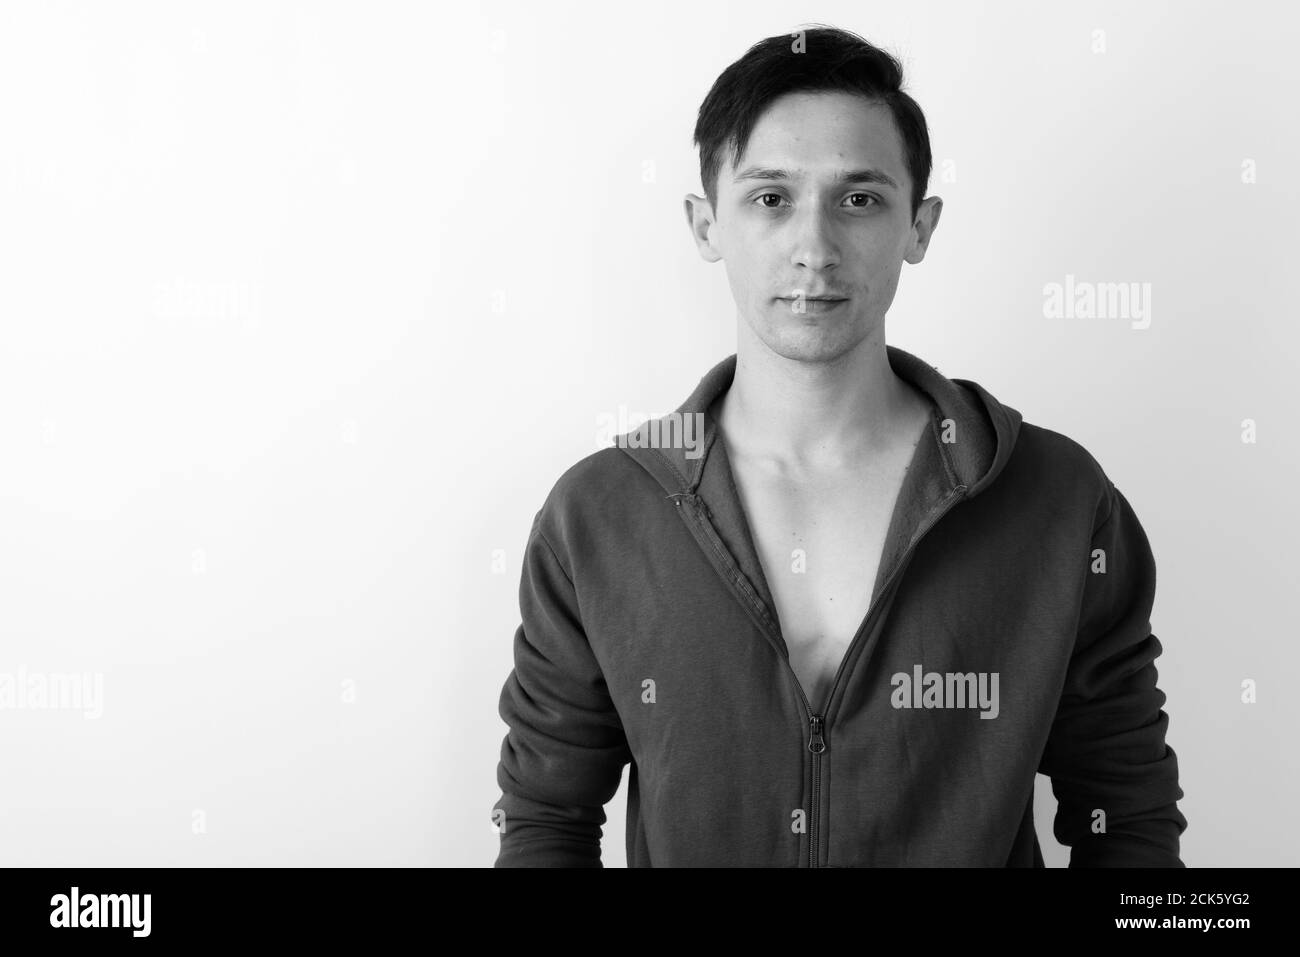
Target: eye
point(873, 199)
point(758, 199)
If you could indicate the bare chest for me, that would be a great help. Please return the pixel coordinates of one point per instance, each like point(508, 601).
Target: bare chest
point(820, 541)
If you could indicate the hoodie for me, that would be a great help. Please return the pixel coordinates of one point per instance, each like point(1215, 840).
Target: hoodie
point(1008, 635)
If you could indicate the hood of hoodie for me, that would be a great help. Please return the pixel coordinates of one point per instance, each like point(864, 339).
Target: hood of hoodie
point(988, 428)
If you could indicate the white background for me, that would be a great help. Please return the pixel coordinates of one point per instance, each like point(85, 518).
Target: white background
point(306, 306)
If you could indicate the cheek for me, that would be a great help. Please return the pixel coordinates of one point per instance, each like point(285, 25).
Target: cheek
point(883, 288)
point(881, 247)
point(882, 258)
point(754, 266)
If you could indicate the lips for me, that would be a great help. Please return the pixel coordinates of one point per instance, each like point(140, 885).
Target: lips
point(811, 307)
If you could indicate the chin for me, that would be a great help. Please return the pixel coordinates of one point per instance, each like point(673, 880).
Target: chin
point(805, 341)
point(809, 344)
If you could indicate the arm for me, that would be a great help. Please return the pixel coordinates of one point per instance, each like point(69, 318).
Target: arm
point(563, 757)
point(1106, 749)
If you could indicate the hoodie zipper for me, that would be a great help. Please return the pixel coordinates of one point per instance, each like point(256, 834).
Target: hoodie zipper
point(817, 728)
point(816, 744)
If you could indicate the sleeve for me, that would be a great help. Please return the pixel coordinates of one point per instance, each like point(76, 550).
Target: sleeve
point(563, 756)
point(1106, 750)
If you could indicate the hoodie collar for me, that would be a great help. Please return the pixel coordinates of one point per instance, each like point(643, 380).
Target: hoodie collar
point(979, 432)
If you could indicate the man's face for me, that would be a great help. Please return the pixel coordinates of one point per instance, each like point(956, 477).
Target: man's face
point(790, 226)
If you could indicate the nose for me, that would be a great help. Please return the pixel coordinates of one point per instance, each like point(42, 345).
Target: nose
point(815, 246)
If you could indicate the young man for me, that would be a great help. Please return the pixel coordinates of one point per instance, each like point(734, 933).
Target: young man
point(849, 626)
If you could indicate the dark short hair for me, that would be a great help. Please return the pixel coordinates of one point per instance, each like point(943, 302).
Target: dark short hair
point(832, 60)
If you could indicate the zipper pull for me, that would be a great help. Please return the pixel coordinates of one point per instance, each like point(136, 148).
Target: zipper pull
point(816, 744)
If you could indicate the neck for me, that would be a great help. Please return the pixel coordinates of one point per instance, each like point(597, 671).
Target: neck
point(814, 414)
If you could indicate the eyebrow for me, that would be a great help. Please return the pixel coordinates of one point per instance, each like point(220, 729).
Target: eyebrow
point(851, 176)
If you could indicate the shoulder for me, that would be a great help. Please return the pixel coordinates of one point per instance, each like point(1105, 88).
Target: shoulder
point(599, 497)
point(1058, 450)
point(1063, 467)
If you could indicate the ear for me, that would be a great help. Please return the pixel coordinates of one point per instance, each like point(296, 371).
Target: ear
point(700, 219)
point(923, 227)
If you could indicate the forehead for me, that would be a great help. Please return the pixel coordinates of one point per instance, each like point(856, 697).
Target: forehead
point(819, 133)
